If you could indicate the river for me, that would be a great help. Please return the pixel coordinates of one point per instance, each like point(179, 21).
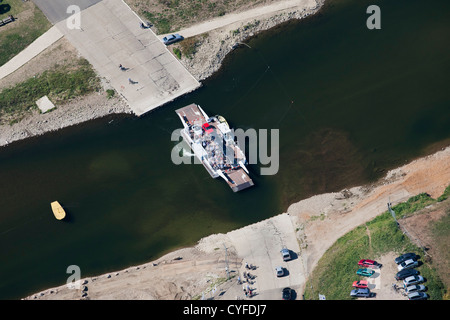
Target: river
point(349, 102)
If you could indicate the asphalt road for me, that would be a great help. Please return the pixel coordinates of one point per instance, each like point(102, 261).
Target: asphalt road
point(56, 10)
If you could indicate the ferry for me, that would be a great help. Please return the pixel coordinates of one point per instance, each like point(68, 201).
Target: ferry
point(58, 210)
point(213, 143)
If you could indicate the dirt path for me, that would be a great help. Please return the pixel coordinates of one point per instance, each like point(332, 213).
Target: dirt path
point(248, 15)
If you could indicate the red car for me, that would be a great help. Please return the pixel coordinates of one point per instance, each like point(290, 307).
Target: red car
point(361, 284)
point(366, 263)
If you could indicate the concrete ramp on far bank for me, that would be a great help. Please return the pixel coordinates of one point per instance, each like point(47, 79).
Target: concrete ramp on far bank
point(59, 10)
point(110, 35)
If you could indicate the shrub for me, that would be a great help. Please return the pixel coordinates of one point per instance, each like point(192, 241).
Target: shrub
point(177, 52)
point(110, 93)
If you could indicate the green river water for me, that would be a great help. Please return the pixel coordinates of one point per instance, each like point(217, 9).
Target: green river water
point(350, 103)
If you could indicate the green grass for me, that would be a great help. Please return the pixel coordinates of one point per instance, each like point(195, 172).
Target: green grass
point(171, 15)
point(336, 270)
point(110, 93)
point(161, 21)
point(15, 39)
point(60, 85)
point(445, 195)
point(189, 46)
point(177, 52)
point(413, 204)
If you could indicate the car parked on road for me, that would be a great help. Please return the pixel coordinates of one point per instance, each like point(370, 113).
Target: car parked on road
point(412, 280)
point(406, 273)
point(172, 39)
point(414, 288)
point(367, 263)
point(361, 284)
point(365, 292)
point(285, 254)
point(405, 257)
point(408, 264)
point(417, 296)
point(287, 294)
point(280, 271)
point(366, 272)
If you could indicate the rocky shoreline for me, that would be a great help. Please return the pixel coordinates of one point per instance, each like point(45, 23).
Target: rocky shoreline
point(212, 49)
point(93, 106)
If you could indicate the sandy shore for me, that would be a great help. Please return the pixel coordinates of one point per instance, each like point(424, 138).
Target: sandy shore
point(316, 223)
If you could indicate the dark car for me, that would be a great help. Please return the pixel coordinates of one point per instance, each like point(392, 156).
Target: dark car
point(360, 293)
point(287, 294)
point(172, 39)
point(405, 257)
point(406, 273)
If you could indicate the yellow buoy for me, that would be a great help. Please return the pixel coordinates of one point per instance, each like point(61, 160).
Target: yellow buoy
point(58, 211)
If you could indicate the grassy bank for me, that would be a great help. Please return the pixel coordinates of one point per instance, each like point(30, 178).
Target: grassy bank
point(60, 85)
point(171, 15)
point(336, 270)
point(30, 23)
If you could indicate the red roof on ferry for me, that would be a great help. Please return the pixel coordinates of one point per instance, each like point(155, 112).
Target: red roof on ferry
point(207, 128)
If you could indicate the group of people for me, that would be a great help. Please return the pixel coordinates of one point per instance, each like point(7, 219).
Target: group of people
point(248, 291)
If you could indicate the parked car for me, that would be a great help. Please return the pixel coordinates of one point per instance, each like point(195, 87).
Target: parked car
point(415, 287)
point(406, 273)
point(172, 39)
point(408, 264)
point(361, 284)
point(417, 296)
point(365, 272)
point(412, 280)
point(405, 257)
point(287, 294)
point(279, 271)
point(367, 263)
point(285, 254)
point(360, 293)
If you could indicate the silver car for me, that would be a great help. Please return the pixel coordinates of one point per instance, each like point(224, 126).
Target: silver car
point(285, 254)
point(415, 288)
point(279, 271)
point(362, 292)
point(408, 264)
point(417, 296)
point(412, 280)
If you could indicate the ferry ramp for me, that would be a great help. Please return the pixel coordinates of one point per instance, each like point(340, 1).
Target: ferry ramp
point(56, 11)
point(110, 35)
point(260, 244)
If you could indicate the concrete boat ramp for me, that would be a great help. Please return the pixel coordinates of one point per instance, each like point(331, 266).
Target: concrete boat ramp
point(110, 35)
